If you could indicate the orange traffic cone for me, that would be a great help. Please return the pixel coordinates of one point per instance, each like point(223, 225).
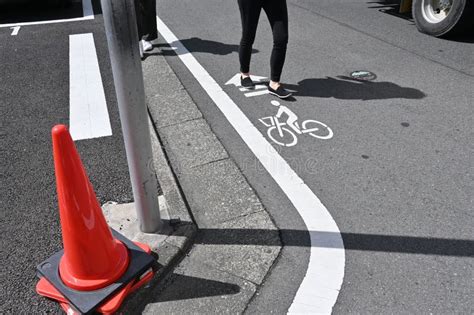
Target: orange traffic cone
point(92, 257)
point(97, 270)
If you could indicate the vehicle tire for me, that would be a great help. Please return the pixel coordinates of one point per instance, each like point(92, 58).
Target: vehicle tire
point(322, 131)
point(440, 17)
point(286, 141)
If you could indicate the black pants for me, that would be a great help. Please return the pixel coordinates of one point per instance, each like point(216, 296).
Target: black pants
point(277, 13)
point(146, 19)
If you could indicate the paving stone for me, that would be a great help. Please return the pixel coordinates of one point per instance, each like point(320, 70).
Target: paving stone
point(173, 200)
point(190, 144)
point(218, 192)
point(167, 100)
point(246, 247)
point(181, 235)
point(237, 243)
point(196, 288)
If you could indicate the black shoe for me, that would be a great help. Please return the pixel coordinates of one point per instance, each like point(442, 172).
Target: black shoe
point(279, 92)
point(246, 82)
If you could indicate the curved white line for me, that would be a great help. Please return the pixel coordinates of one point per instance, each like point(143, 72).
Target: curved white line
point(320, 287)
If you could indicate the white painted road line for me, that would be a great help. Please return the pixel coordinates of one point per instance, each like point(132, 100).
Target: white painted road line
point(235, 80)
point(257, 87)
point(87, 11)
point(251, 94)
point(88, 114)
point(15, 30)
point(316, 294)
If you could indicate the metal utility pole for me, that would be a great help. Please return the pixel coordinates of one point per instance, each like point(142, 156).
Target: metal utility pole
point(122, 39)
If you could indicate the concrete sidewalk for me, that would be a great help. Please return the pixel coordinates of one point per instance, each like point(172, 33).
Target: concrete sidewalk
point(209, 264)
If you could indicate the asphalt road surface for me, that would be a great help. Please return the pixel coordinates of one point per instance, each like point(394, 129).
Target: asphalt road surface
point(34, 96)
point(397, 174)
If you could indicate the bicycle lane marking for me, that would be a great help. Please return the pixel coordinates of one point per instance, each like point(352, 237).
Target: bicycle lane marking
point(320, 287)
point(294, 129)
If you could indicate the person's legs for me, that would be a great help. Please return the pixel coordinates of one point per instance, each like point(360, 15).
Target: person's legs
point(277, 13)
point(145, 11)
point(151, 32)
point(249, 14)
point(140, 13)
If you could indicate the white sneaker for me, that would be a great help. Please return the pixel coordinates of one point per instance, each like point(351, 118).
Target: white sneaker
point(147, 46)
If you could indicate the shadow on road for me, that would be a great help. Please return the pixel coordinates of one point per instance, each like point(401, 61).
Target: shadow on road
point(352, 241)
point(196, 44)
point(391, 7)
point(462, 38)
point(346, 88)
point(184, 287)
point(37, 11)
point(181, 287)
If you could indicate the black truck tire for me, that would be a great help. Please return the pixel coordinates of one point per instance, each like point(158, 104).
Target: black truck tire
point(432, 19)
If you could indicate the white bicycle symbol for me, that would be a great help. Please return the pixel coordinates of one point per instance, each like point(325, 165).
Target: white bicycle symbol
point(287, 137)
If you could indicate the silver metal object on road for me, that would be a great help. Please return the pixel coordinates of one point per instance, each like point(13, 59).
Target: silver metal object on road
point(363, 75)
point(122, 40)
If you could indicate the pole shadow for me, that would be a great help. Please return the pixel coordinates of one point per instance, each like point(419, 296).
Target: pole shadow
point(186, 287)
point(346, 88)
point(180, 287)
point(352, 241)
point(198, 45)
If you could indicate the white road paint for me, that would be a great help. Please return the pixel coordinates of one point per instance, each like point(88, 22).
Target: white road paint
point(320, 288)
point(257, 93)
point(286, 133)
point(88, 114)
point(15, 30)
point(235, 80)
point(168, 48)
point(257, 87)
point(87, 12)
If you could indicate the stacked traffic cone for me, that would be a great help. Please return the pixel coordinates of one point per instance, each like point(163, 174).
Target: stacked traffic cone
point(97, 268)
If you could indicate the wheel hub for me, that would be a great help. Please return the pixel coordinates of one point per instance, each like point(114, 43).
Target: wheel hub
point(444, 5)
point(435, 11)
